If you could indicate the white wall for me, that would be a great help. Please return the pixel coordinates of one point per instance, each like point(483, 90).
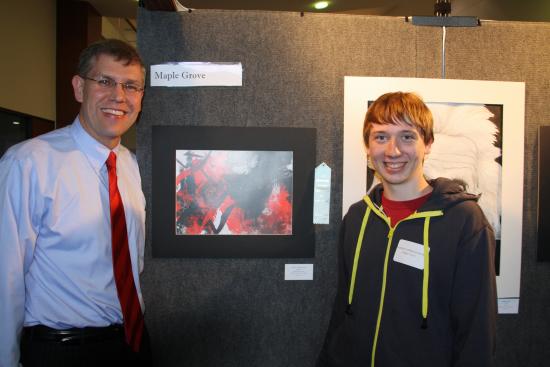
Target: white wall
point(27, 64)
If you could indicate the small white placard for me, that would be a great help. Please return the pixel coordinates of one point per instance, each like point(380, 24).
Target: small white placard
point(410, 253)
point(298, 271)
point(508, 305)
point(197, 74)
point(321, 194)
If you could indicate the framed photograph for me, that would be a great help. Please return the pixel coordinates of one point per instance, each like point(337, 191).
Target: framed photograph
point(479, 130)
point(233, 192)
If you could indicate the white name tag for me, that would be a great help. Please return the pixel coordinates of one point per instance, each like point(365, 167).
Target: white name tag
point(410, 253)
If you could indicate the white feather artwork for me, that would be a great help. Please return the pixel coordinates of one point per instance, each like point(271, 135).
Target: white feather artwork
point(464, 148)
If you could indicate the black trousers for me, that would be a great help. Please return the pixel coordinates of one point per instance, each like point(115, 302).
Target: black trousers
point(38, 349)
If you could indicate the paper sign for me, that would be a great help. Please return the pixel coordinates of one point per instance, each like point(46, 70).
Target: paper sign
point(321, 194)
point(197, 74)
point(298, 271)
point(508, 305)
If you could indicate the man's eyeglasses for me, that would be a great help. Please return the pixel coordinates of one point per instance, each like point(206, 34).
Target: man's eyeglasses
point(108, 83)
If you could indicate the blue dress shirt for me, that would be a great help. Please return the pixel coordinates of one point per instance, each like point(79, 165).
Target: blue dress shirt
point(56, 264)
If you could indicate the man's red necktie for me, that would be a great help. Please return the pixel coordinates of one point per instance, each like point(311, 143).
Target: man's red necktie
point(122, 265)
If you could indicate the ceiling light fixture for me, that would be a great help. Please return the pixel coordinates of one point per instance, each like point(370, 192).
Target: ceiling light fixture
point(16, 122)
point(319, 5)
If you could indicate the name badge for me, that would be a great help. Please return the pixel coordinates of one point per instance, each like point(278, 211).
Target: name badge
point(410, 253)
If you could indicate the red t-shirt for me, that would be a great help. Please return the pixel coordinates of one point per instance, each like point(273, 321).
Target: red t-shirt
point(397, 210)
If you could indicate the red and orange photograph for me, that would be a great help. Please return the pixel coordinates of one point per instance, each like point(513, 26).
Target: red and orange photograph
point(233, 192)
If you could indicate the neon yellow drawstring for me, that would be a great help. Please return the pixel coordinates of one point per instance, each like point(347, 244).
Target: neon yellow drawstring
point(357, 253)
point(426, 273)
point(370, 206)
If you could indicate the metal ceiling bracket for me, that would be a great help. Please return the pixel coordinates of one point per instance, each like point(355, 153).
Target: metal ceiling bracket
point(439, 21)
point(443, 18)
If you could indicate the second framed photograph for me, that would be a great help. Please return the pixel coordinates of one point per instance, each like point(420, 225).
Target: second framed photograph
point(233, 191)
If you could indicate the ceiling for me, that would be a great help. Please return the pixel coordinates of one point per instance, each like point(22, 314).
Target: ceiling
point(517, 10)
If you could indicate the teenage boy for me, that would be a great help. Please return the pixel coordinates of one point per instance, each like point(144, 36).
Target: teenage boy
point(417, 282)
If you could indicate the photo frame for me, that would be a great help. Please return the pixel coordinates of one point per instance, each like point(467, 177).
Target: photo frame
point(233, 192)
point(358, 91)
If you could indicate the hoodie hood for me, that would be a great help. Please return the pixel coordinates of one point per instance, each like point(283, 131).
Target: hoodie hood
point(446, 193)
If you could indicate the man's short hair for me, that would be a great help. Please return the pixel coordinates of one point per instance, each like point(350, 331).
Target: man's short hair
point(119, 50)
point(400, 107)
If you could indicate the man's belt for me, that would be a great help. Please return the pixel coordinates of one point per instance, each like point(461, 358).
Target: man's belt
point(74, 335)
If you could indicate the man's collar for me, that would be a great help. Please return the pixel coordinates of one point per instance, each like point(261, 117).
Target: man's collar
point(96, 152)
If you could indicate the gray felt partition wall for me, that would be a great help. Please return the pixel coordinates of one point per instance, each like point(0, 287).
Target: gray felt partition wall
point(241, 312)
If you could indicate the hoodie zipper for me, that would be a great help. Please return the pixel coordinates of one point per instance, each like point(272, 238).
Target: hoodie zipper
point(383, 292)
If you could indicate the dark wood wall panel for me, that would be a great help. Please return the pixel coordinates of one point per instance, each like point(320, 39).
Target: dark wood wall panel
point(78, 25)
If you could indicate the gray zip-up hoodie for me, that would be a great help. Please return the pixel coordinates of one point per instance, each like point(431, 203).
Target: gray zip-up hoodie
point(421, 293)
